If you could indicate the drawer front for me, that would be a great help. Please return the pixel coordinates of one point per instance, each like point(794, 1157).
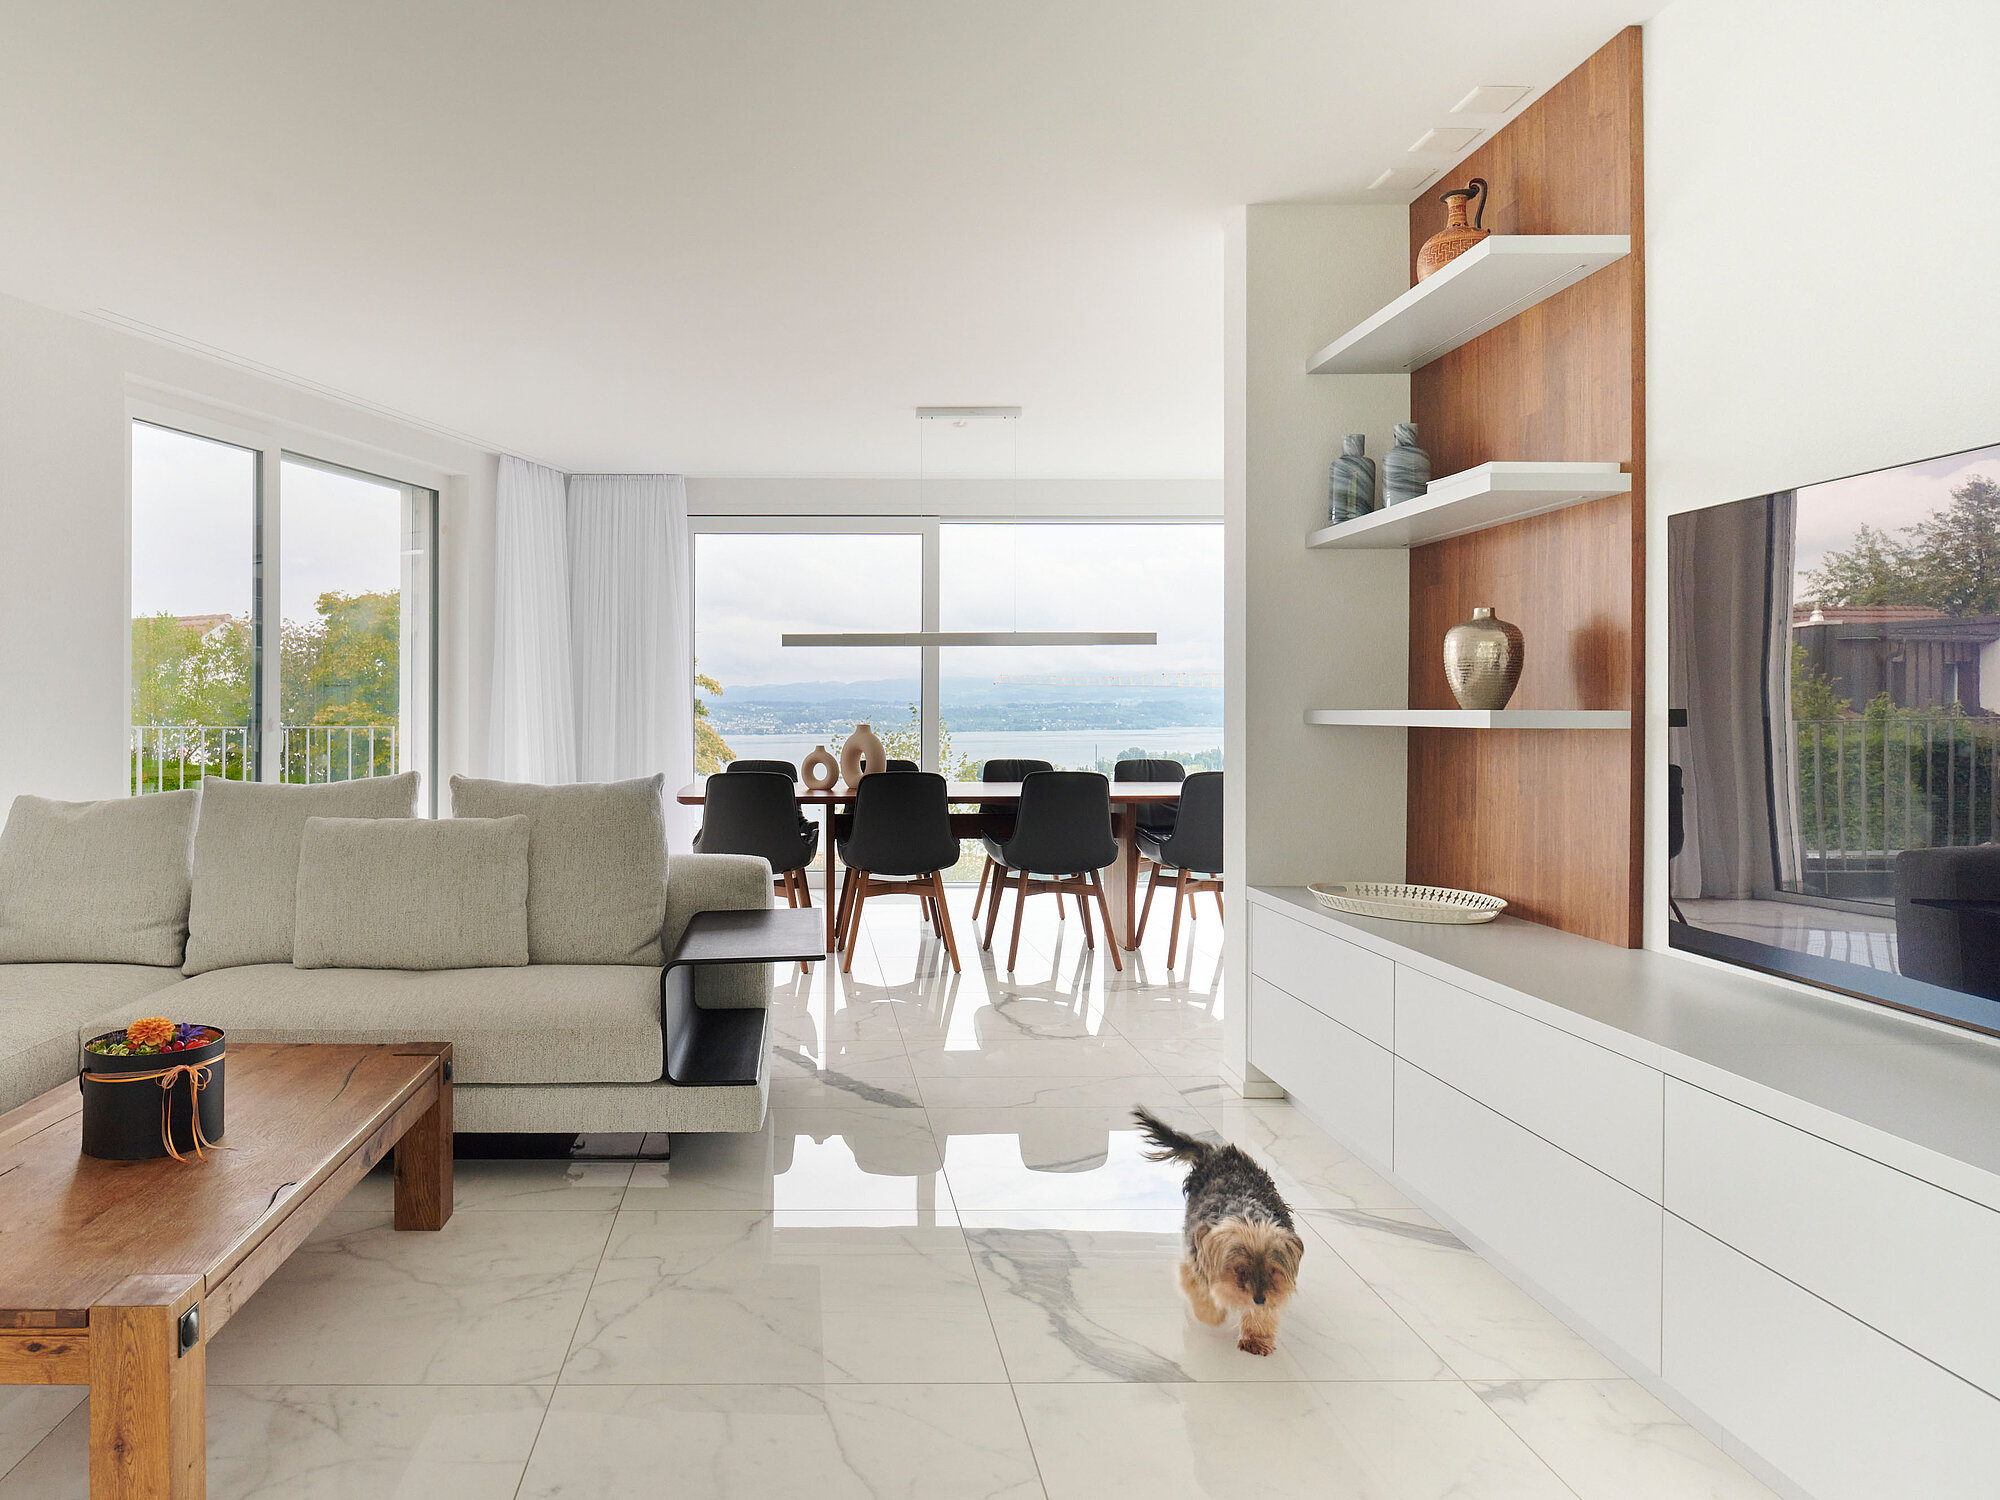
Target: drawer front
point(1337, 979)
point(1845, 1412)
point(1588, 1241)
point(1918, 1263)
point(1594, 1104)
point(1344, 1081)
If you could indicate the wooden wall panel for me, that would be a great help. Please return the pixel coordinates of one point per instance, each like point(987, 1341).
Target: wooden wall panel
point(1551, 820)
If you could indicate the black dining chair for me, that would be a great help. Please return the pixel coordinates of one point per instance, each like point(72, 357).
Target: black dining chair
point(997, 823)
point(1062, 840)
point(757, 812)
point(1192, 850)
point(901, 844)
point(783, 768)
point(843, 822)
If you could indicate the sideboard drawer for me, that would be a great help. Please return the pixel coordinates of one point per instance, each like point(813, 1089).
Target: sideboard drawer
point(1900, 1254)
point(1598, 1106)
point(1336, 978)
point(1338, 1077)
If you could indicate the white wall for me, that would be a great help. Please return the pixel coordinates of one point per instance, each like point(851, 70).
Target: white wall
point(907, 495)
point(1820, 293)
point(64, 525)
point(1305, 629)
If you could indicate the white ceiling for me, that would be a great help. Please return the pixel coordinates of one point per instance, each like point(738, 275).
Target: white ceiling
point(735, 237)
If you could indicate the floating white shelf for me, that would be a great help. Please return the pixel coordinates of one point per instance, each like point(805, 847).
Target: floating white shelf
point(1475, 718)
point(1474, 499)
point(1502, 275)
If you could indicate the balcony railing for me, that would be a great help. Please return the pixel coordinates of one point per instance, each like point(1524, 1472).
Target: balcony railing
point(168, 757)
point(1869, 788)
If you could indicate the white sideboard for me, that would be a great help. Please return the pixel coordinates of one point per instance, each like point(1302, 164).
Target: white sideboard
point(1780, 1212)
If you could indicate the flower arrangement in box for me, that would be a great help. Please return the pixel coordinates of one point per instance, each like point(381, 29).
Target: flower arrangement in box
point(180, 1113)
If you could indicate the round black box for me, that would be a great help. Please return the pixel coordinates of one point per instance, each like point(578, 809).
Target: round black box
point(122, 1121)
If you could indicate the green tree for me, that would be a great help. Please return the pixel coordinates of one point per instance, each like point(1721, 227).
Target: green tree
point(345, 666)
point(710, 753)
point(1813, 697)
point(1949, 561)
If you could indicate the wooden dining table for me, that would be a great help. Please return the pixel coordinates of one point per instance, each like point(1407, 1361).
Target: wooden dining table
point(1127, 797)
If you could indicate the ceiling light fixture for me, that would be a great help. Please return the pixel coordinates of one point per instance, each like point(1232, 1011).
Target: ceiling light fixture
point(1402, 179)
point(1453, 138)
point(1491, 99)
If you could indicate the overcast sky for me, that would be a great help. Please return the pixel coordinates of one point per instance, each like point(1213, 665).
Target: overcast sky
point(193, 513)
point(1890, 499)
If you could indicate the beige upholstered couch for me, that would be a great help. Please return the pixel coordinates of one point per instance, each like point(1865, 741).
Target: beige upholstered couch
point(530, 930)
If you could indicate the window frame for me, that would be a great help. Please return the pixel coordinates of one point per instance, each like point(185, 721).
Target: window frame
point(273, 444)
point(930, 529)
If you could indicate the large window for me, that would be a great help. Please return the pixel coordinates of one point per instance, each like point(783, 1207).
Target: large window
point(952, 708)
point(282, 622)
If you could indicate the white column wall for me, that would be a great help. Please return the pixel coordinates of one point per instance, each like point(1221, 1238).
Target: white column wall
point(1305, 629)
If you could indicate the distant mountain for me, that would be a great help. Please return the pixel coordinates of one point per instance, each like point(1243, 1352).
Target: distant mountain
point(969, 704)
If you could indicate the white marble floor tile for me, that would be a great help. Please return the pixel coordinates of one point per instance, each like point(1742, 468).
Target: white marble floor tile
point(597, 1186)
point(1410, 1440)
point(1149, 1089)
point(806, 1158)
point(1614, 1440)
point(1054, 1158)
point(873, 1074)
point(1106, 1304)
point(719, 1298)
point(1483, 1325)
point(340, 1442)
point(1311, 1168)
point(28, 1414)
point(1176, 1055)
point(491, 1299)
point(783, 1442)
point(1030, 1057)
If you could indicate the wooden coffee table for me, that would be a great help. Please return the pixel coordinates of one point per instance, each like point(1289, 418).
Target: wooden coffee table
point(116, 1275)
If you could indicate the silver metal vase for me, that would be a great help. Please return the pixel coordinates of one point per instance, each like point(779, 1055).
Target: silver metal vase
point(1350, 483)
point(1482, 660)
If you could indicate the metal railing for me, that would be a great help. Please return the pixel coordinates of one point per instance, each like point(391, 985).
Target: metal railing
point(1870, 788)
point(168, 757)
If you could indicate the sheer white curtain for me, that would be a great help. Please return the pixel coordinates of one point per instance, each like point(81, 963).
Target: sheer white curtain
point(629, 641)
point(533, 731)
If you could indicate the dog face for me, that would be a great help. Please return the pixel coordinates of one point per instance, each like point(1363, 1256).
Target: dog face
point(1249, 1264)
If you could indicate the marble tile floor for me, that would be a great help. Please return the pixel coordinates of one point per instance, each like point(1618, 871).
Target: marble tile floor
point(943, 1269)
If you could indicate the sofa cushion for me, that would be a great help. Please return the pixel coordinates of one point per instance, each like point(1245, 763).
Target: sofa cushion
point(412, 893)
point(597, 865)
point(97, 882)
point(246, 861)
point(42, 1007)
point(542, 1023)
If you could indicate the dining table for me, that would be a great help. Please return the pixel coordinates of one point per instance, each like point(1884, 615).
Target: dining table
point(968, 799)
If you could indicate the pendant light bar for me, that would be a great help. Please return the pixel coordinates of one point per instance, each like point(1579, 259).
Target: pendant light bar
point(977, 638)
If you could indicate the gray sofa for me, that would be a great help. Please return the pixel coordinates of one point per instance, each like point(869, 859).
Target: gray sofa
point(530, 930)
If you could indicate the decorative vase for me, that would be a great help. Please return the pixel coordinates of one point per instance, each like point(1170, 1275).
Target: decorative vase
point(819, 770)
point(1406, 468)
point(1459, 234)
point(1350, 483)
point(1482, 660)
point(861, 754)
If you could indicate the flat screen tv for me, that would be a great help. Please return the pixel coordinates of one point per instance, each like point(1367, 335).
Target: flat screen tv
point(1834, 686)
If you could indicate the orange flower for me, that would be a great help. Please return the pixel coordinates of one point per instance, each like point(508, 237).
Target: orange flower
point(150, 1031)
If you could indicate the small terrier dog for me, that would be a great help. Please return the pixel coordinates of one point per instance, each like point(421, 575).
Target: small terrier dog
point(1240, 1250)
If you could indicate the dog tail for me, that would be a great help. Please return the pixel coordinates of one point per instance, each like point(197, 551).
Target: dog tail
point(1168, 1143)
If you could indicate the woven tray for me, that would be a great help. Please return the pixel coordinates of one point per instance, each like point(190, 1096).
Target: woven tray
point(1408, 903)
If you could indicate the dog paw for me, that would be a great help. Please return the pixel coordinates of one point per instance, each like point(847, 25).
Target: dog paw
point(1209, 1313)
point(1251, 1345)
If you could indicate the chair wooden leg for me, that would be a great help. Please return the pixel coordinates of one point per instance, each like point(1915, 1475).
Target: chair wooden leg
point(1152, 884)
point(1104, 910)
point(944, 914)
point(1083, 911)
point(993, 905)
point(1061, 914)
point(840, 910)
point(1020, 902)
point(1174, 934)
point(860, 899)
point(985, 873)
point(1218, 901)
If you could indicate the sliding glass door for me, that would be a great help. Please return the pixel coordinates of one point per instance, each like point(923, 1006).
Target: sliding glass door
point(282, 616)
